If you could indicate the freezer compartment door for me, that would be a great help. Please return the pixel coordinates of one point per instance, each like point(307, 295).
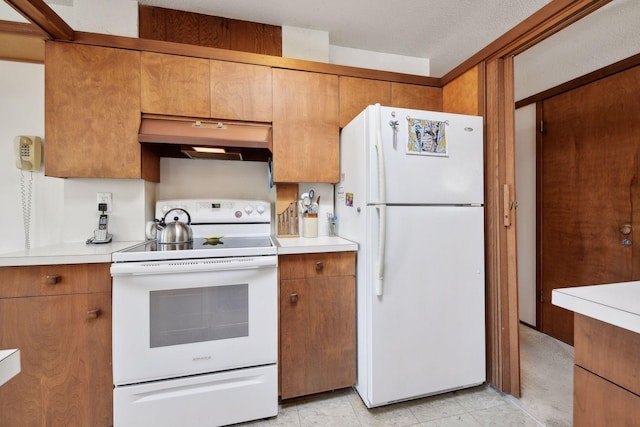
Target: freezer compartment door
point(426, 332)
point(454, 176)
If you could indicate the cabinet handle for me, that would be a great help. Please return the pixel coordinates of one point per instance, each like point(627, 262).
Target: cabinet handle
point(93, 314)
point(53, 280)
point(319, 265)
point(293, 298)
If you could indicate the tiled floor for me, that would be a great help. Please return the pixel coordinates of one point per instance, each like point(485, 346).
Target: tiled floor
point(544, 403)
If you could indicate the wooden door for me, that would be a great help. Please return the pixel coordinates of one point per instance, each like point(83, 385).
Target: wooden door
point(92, 112)
point(306, 134)
point(317, 323)
point(589, 192)
point(416, 97)
point(65, 377)
point(356, 94)
point(174, 85)
point(241, 91)
point(317, 335)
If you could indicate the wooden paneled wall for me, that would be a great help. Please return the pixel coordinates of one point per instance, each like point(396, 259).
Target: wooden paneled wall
point(177, 26)
point(465, 94)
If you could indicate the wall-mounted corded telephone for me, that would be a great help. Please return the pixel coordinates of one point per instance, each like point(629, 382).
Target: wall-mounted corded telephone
point(28, 157)
point(28, 152)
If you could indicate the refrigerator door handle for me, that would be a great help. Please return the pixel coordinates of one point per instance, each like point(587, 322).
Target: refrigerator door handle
point(382, 232)
point(382, 200)
point(382, 190)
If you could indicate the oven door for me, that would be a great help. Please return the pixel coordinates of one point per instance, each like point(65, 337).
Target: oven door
point(177, 318)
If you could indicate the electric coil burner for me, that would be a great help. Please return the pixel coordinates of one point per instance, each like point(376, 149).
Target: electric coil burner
point(195, 324)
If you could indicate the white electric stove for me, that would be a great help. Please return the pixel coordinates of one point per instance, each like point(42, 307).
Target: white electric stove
point(195, 325)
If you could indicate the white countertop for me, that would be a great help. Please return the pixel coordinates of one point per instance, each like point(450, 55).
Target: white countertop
point(306, 245)
point(81, 253)
point(64, 253)
point(9, 364)
point(617, 303)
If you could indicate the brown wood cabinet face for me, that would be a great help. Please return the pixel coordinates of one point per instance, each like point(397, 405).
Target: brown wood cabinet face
point(416, 97)
point(92, 112)
point(305, 127)
point(175, 85)
point(317, 324)
point(356, 94)
point(241, 91)
point(606, 383)
point(598, 402)
point(66, 372)
point(55, 279)
point(608, 351)
point(212, 31)
point(464, 95)
point(324, 264)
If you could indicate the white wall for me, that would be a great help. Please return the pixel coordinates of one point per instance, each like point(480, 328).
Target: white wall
point(115, 17)
point(62, 210)
point(203, 178)
point(313, 45)
point(526, 197)
point(22, 113)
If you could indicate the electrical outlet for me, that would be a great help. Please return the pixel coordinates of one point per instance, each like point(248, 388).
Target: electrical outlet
point(104, 198)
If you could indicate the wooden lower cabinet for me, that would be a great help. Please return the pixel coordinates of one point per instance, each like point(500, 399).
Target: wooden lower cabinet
point(317, 323)
point(62, 326)
point(606, 375)
point(598, 402)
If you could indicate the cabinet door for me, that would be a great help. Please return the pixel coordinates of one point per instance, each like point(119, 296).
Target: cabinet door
point(317, 335)
point(65, 348)
point(241, 92)
point(416, 97)
point(175, 85)
point(305, 127)
point(356, 94)
point(92, 112)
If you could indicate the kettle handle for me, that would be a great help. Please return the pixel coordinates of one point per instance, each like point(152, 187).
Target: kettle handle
point(176, 209)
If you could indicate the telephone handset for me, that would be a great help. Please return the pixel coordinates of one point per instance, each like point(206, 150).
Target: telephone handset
point(28, 152)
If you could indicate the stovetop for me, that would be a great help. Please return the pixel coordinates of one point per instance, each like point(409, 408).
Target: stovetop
point(223, 228)
point(151, 250)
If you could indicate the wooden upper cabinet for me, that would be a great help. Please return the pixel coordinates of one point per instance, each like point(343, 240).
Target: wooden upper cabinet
point(175, 85)
point(92, 112)
point(305, 127)
point(416, 97)
point(241, 91)
point(356, 94)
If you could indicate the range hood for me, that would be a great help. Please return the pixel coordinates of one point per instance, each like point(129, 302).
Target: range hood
point(173, 137)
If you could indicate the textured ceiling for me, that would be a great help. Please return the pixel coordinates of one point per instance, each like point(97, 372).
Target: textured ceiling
point(604, 37)
point(447, 32)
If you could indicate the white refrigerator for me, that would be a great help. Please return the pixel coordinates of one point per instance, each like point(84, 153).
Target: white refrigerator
point(411, 194)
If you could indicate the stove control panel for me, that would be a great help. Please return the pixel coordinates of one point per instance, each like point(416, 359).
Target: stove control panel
point(218, 210)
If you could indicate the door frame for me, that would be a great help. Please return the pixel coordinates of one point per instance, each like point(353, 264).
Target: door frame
point(503, 347)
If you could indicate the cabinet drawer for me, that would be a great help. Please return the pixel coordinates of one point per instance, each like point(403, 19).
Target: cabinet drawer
point(56, 279)
point(303, 266)
point(598, 402)
point(608, 351)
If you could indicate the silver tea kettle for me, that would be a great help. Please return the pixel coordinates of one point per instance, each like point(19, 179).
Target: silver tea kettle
point(176, 231)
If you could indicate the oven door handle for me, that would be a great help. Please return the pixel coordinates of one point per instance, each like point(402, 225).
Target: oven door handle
point(192, 265)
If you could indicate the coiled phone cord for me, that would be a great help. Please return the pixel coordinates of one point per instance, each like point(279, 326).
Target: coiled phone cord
point(26, 190)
